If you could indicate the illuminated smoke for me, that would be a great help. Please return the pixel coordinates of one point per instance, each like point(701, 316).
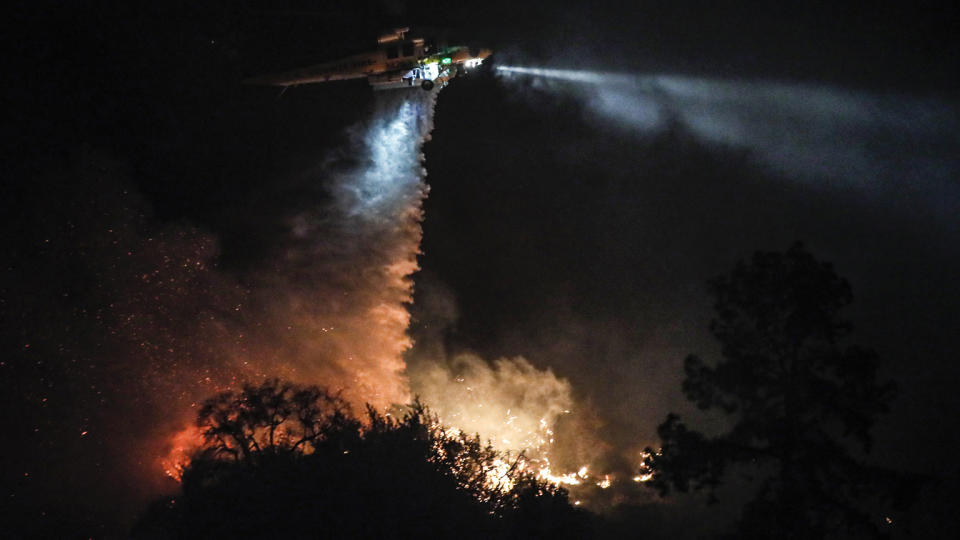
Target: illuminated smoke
point(511, 403)
point(335, 301)
point(876, 144)
point(330, 307)
point(518, 409)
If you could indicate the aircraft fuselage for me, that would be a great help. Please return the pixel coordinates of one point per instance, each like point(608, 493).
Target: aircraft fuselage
point(396, 63)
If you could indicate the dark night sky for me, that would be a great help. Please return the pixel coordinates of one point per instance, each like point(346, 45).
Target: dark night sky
point(557, 236)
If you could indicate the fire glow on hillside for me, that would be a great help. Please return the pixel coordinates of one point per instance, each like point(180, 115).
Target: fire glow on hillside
point(336, 315)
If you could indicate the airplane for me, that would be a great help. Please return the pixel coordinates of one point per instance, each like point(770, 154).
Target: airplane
point(398, 62)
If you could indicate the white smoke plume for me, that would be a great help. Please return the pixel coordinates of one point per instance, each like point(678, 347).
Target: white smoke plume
point(336, 296)
point(330, 305)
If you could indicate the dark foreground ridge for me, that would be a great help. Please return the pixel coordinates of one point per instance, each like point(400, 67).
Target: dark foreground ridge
point(283, 461)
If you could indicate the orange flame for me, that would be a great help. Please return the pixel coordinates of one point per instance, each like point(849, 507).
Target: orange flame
point(182, 445)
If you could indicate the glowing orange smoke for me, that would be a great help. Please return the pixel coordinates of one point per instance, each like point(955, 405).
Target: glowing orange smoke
point(183, 444)
point(329, 307)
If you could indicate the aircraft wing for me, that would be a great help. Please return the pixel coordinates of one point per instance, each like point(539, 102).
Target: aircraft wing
point(352, 67)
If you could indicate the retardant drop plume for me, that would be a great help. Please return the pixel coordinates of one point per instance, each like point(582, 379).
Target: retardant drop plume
point(336, 299)
point(331, 307)
point(881, 146)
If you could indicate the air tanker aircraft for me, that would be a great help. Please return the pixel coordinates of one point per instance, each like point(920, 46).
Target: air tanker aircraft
point(398, 62)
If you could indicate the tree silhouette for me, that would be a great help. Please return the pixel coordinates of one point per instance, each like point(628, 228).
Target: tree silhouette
point(801, 403)
point(272, 418)
point(282, 460)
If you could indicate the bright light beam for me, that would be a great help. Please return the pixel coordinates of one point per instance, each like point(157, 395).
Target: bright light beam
point(904, 148)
